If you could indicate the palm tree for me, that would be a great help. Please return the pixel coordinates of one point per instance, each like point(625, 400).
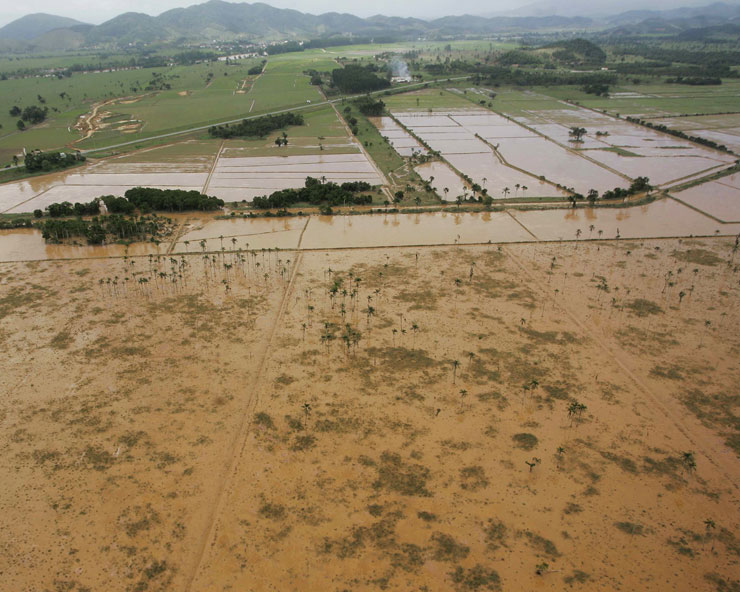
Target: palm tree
point(688, 460)
point(463, 394)
point(506, 191)
point(559, 452)
point(533, 463)
point(455, 366)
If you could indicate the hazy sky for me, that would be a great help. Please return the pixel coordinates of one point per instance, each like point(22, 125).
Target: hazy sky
point(98, 11)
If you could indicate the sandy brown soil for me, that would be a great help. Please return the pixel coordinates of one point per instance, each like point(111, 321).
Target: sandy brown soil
point(186, 436)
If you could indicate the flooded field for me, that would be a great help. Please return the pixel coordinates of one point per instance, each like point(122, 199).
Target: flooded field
point(720, 199)
point(241, 233)
point(441, 418)
point(27, 244)
point(559, 165)
point(432, 228)
point(93, 180)
point(446, 182)
point(399, 138)
point(723, 129)
point(662, 218)
point(629, 149)
point(236, 179)
point(456, 141)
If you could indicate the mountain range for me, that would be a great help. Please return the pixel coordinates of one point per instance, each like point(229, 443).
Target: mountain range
point(219, 20)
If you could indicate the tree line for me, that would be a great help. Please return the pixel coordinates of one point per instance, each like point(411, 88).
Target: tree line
point(257, 127)
point(316, 192)
point(99, 229)
point(114, 205)
point(144, 199)
point(36, 160)
point(679, 134)
point(150, 199)
point(357, 79)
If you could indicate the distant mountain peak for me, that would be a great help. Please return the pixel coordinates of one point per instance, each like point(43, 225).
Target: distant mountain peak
point(34, 25)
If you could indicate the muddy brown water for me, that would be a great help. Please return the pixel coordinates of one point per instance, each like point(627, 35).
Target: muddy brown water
point(663, 218)
point(715, 198)
point(27, 244)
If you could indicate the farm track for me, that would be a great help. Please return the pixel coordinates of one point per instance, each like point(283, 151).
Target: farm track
point(697, 437)
point(225, 490)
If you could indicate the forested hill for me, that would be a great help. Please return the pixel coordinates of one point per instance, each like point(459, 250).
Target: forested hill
point(219, 20)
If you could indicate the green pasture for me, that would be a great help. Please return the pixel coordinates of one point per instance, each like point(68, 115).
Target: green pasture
point(655, 100)
point(425, 99)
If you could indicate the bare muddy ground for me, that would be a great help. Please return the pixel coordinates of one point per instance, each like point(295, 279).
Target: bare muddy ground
point(450, 418)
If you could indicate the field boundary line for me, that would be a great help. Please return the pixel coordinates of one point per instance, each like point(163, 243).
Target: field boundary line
point(696, 209)
point(300, 238)
point(240, 441)
point(527, 230)
point(700, 442)
point(213, 167)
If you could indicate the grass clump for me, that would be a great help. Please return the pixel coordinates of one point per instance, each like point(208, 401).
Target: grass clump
point(272, 511)
point(643, 308)
point(473, 478)
point(525, 441)
point(62, 340)
point(630, 528)
point(541, 544)
point(577, 577)
point(496, 533)
point(447, 548)
point(303, 442)
point(404, 478)
point(698, 257)
point(477, 577)
point(263, 419)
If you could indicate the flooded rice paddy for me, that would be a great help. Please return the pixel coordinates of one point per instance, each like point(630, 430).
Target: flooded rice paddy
point(627, 148)
point(88, 182)
point(236, 179)
point(446, 182)
point(663, 218)
point(453, 134)
point(399, 138)
point(720, 199)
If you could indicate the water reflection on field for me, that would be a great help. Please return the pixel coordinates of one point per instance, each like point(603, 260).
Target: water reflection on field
point(662, 218)
point(412, 229)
